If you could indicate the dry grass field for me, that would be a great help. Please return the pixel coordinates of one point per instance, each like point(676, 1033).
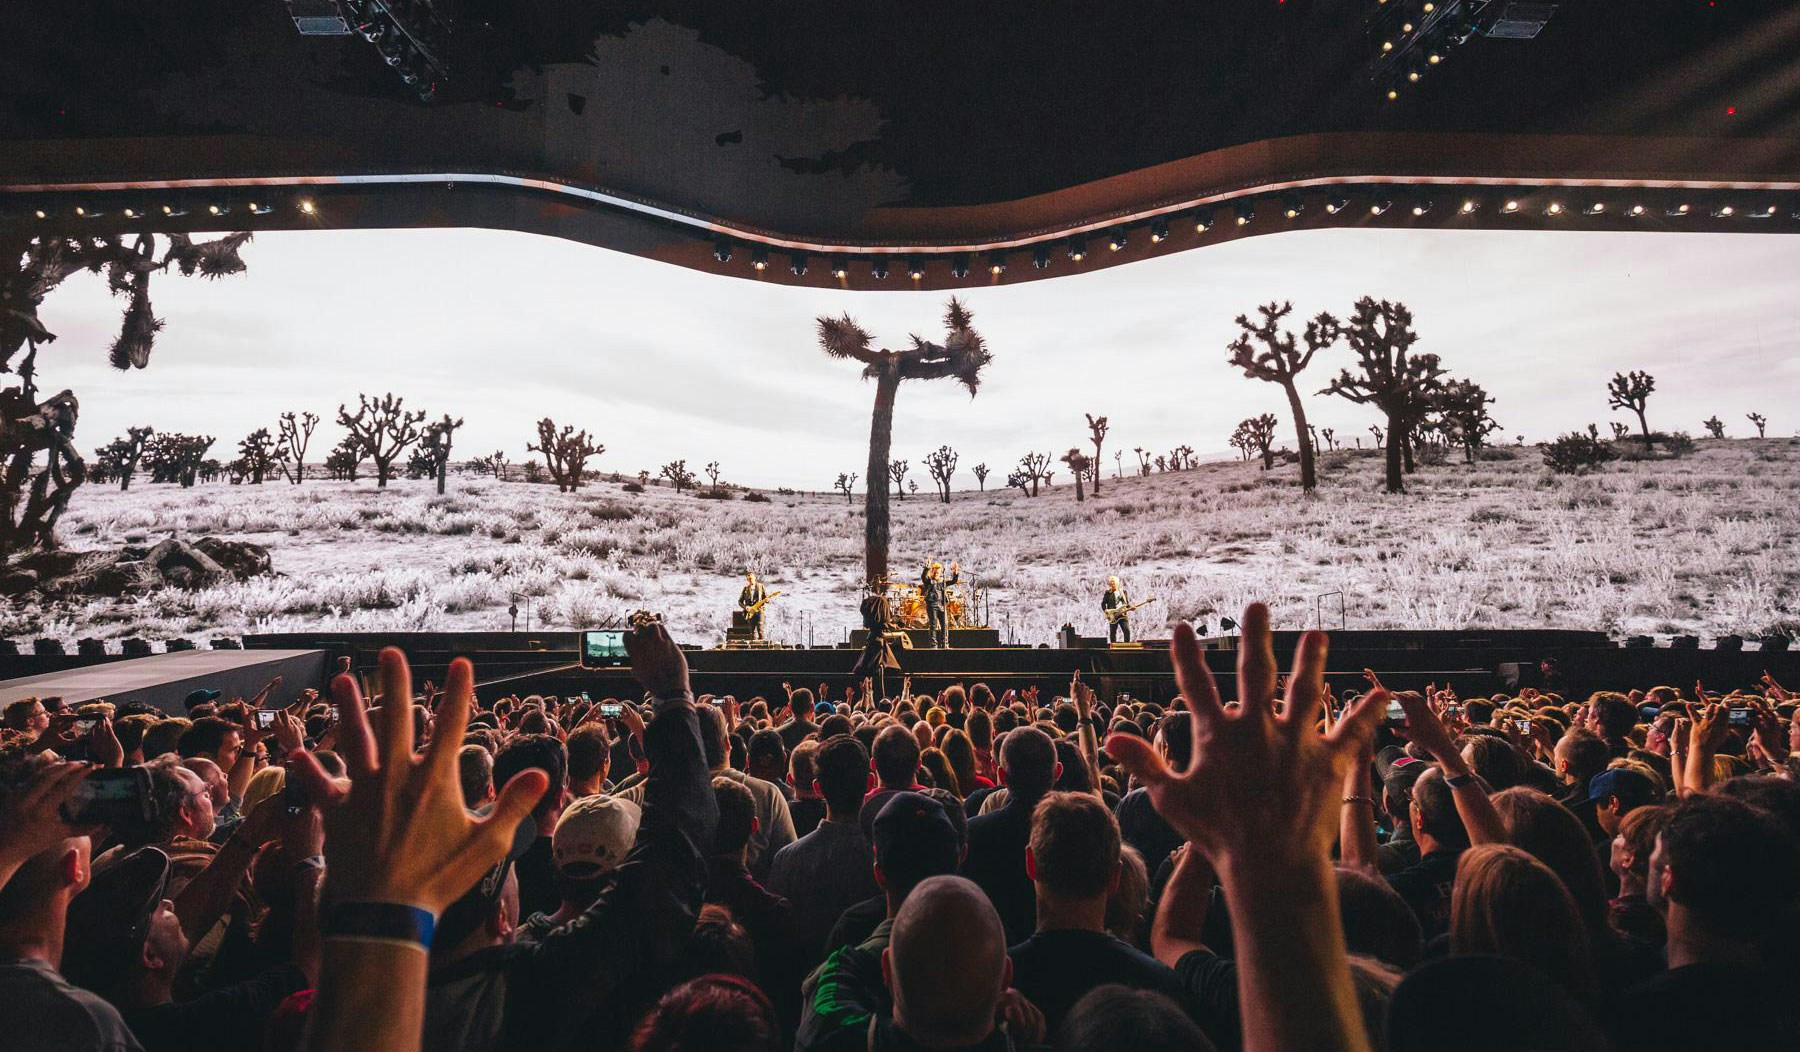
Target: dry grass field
point(1705, 544)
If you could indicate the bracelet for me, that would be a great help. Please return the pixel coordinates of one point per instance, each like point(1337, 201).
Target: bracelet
point(390, 922)
point(1460, 780)
point(310, 862)
point(1360, 799)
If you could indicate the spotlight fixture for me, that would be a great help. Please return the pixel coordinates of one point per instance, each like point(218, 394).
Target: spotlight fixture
point(1637, 211)
point(1766, 212)
point(959, 267)
point(1336, 205)
point(1555, 208)
point(41, 214)
point(1159, 231)
point(1386, 46)
point(1040, 258)
point(1292, 206)
point(1392, 94)
point(306, 206)
point(1203, 221)
point(1678, 210)
point(1510, 207)
point(1116, 240)
point(172, 211)
point(1380, 206)
point(1597, 208)
point(840, 268)
point(130, 213)
point(261, 209)
point(1429, 8)
point(1077, 250)
point(721, 247)
point(797, 264)
point(1469, 206)
point(218, 210)
point(996, 263)
point(759, 259)
point(915, 268)
point(1434, 58)
point(1421, 207)
point(82, 212)
point(879, 269)
point(1724, 212)
point(1244, 213)
point(1413, 75)
point(1406, 27)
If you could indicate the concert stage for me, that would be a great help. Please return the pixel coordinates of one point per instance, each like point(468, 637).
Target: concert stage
point(164, 680)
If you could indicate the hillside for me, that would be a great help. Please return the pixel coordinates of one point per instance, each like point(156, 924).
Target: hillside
point(1705, 544)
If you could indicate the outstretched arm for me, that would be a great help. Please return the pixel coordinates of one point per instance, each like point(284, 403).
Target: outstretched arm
point(1477, 812)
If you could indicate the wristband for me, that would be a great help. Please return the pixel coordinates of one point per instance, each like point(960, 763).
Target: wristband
point(395, 922)
point(1360, 799)
point(1460, 780)
point(310, 862)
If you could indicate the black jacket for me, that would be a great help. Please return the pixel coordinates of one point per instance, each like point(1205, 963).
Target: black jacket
point(996, 863)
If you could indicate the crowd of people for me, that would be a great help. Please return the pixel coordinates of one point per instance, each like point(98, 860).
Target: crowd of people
point(397, 866)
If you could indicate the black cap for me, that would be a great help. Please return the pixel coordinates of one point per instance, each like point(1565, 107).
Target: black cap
point(107, 922)
point(200, 697)
point(914, 839)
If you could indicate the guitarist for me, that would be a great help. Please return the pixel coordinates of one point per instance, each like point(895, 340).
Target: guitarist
point(1117, 623)
point(752, 594)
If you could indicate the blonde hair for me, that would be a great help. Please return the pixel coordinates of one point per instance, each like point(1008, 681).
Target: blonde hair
point(263, 784)
point(1508, 904)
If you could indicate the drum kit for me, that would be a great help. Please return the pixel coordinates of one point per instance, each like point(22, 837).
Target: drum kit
point(907, 601)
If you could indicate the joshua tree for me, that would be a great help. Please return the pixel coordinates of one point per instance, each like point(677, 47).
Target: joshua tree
point(1619, 430)
point(1264, 351)
point(120, 457)
point(1162, 463)
point(1373, 430)
point(1330, 438)
point(1143, 460)
point(30, 269)
point(1714, 426)
point(941, 462)
point(1078, 466)
point(897, 472)
point(1240, 441)
point(1760, 421)
point(962, 355)
point(175, 457)
point(345, 459)
point(981, 474)
point(1632, 391)
point(676, 471)
point(434, 446)
point(384, 428)
point(1462, 406)
point(566, 453)
point(1097, 434)
point(257, 455)
point(643, 477)
point(1183, 453)
point(1118, 463)
point(1023, 480)
point(296, 434)
point(1392, 378)
point(846, 483)
point(1034, 465)
point(1257, 433)
point(712, 472)
point(914, 484)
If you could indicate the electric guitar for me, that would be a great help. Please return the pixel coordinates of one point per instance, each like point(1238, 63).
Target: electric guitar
point(1117, 614)
point(756, 608)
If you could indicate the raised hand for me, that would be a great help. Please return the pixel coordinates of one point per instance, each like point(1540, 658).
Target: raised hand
point(402, 835)
point(103, 744)
point(657, 662)
point(31, 818)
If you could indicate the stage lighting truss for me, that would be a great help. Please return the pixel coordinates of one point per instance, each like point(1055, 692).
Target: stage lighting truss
point(996, 263)
point(879, 268)
point(797, 264)
point(759, 259)
point(959, 267)
point(410, 35)
point(840, 268)
point(1040, 258)
point(1077, 249)
point(1159, 231)
point(1411, 38)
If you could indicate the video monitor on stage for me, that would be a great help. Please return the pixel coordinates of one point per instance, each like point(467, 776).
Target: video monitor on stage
point(603, 649)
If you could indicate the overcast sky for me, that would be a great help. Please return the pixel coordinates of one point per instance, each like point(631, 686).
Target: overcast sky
point(661, 362)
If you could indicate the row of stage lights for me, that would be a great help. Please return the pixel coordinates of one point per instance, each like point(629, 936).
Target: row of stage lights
point(1242, 214)
point(305, 206)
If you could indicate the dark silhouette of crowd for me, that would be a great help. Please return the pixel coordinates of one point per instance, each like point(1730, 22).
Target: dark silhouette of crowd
point(1271, 866)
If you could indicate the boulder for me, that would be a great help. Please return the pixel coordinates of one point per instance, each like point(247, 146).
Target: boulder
point(240, 559)
point(134, 569)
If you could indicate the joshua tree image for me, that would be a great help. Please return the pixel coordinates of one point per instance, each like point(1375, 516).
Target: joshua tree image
point(914, 486)
point(1162, 463)
point(1462, 406)
point(384, 428)
point(1760, 421)
point(1619, 430)
point(175, 457)
point(1182, 457)
point(981, 474)
point(1078, 466)
point(962, 355)
point(1632, 391)
point(1035, 466)
point(1264, 351)
point(941, 462)
point(119, 458)
point(643, 478)
point(1376, 431)
point(296, 434)
point(1330, 438)
point(30, 269)
point(1714, 426)
point(1022, 480)
point(1391, 377)
point(566, 453)
point(434, 446)
point(1118, 463)
point(1143, 460)
point(845, 483)
point(897, 472)
point(1097, 434)
point(676, 471)
point(257, 456)
point(1257, 433)
point(712, 472)
point(345, 459)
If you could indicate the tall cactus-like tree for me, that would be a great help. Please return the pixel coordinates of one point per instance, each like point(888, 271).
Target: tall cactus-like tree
point(897, 473)
point(712, 473)
point(941, 462)
point(258, 455)
point(384, 428)
point(1022, 480)
point(1714, 426)
point(1390, 376)
point(676, 471)
point(120, 457)
point(1632, 391)
point(845, 482)
point(1097, 428)
point(1143, 456)
point(566, 453)
point(1760, 421)
point(434, 446)
point(296, 432)
point(1078, 466)
point(1256, 434)
point(1265, 351)
point(1330, 438)
point(1036, 466)
point(981, 473)
point(962, 356)
point(1462, 407)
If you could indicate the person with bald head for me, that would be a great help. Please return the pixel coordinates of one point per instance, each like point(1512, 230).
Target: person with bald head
point(942, 983)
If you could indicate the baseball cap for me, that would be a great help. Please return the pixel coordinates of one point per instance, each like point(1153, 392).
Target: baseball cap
point(824, 708)
point(914, 839)
point(1398, 776)
point(1631, 787)
point(466, 913)
point(200, 697)
point(594, 834)
point(107, 922)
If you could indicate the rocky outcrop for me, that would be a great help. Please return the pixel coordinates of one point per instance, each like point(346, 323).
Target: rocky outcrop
point(134, 569)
